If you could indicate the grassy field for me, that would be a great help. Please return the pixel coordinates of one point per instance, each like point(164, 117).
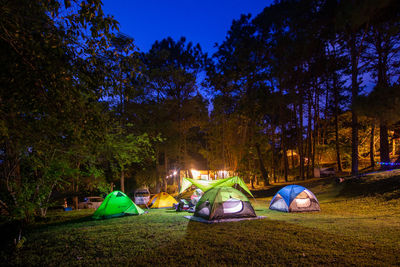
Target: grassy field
point(359, 224)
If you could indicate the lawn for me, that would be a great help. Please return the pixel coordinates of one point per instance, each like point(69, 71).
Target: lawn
point(359, 224)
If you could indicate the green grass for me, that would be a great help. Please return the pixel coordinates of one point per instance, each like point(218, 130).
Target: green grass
point(359, 224)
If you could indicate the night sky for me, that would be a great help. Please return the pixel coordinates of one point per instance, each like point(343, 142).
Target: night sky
point(202, 21)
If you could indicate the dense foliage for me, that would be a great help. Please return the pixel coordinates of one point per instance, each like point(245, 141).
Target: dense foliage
point(286, 81)
point(61, 129)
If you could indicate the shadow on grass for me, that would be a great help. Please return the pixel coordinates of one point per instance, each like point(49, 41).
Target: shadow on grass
point(10, 230)
point(83, 219)
point(270, 192)
point(229, 244)
point(171, 211)
point(389, 188)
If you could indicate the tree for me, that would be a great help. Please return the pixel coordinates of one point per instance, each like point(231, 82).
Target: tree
point(47, 64)
point(382, 104)
point(172, 69)
point(236, 75)
point(124, 150)
point(353, 20)
point(382, 38)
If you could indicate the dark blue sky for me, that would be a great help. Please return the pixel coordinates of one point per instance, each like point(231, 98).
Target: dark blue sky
point(200, 21)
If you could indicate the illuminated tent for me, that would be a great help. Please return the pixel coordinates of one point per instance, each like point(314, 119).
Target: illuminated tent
point(161, 200)
point(205, 185)
point(224, 203)
point(294, 198)
point(116, 204)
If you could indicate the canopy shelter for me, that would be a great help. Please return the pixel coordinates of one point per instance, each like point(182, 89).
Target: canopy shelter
point(205, 185)
point(116, 204)
point(294, 198)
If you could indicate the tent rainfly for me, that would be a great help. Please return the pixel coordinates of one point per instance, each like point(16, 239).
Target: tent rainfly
point(205, 185)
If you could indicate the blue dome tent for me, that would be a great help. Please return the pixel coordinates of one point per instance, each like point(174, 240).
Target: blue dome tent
point(294, 198)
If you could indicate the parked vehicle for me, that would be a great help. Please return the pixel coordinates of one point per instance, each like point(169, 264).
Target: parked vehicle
point(142, 196)
point(90, 203)
point(324, 172)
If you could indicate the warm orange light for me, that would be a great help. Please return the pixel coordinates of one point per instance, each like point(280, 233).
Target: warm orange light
point(195, 173)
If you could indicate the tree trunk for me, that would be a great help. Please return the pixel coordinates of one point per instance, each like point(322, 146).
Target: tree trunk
point(384, 143)
point(273, 160)
point(299, 127)
point(309, 134)
point(178, 178)
point(264, 172)
point(371, 146)
point(12, 170)
point(284, 152)
point(316, 128)
point(337, 145)
point(354, 143)
point(354, 94)
point(185, 155)
point(393, 147)
point(75, 202)
point(382, 82)
point(164, 184)
point(301, 149)
point(75, 187)
point(122, 181)
point(293, 164)
point(223, 143)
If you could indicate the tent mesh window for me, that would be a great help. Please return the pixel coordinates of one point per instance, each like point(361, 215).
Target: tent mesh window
point(205, 211)
point(294, 198)
point(279, 203)
point(304, 201)
point(232, 205)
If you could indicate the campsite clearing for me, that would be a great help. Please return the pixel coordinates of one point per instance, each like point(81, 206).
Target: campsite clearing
point(360, 228)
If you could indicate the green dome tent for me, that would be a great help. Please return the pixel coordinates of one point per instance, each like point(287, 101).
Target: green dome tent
point(224, 203)
point(116, 204)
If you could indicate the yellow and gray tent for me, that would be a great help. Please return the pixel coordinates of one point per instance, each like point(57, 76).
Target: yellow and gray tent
point(161, 200)
point(205, 185)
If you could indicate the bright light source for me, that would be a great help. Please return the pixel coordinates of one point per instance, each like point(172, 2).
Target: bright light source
point(204, 177)
point(175, 173)
point(195, 173)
